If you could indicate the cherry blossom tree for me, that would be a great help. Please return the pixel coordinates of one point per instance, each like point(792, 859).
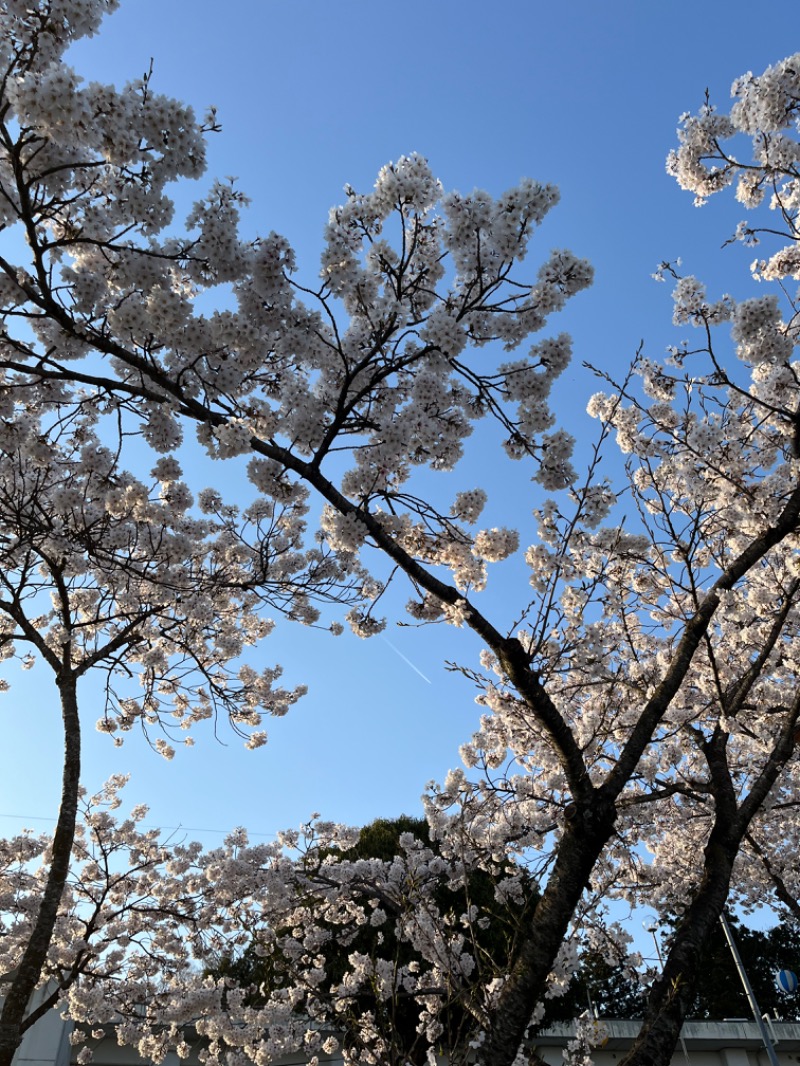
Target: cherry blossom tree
point(103, 574)
point(645, 689)
point(142, 921)
point(288, 382)
point(384, 968)
point(738, 434)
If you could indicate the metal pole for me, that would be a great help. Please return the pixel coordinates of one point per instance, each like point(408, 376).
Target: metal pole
point(773, 1058)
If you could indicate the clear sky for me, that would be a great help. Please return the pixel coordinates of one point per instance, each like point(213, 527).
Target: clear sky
point(312, 95)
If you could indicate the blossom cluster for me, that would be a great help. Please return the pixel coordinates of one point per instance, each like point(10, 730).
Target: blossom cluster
point(129, 581)
point(146, 928)
point(381, 357)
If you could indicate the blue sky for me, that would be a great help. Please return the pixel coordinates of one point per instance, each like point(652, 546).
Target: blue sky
point(312, 95)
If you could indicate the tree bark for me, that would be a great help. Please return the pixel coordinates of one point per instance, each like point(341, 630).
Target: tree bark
point(672, 994)
point(585, 836)
point(13, 1020)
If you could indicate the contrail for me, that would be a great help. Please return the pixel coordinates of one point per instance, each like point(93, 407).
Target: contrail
point(407, 660)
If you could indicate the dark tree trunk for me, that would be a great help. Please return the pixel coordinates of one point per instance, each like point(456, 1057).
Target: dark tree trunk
point(673, 993)
point(18, 991)
point(584, 838)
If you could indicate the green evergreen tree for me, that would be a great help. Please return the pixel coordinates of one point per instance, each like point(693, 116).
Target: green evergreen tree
point(615, 992)
point(764, 953)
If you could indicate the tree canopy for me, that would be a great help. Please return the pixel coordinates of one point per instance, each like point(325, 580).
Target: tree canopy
point(640, 697)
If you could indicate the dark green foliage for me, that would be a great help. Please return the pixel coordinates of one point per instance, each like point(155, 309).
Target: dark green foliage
point(381, 838)
point(764, 952)
point(615, 993)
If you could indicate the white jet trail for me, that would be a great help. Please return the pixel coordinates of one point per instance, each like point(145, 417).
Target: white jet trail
point(407, 660)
